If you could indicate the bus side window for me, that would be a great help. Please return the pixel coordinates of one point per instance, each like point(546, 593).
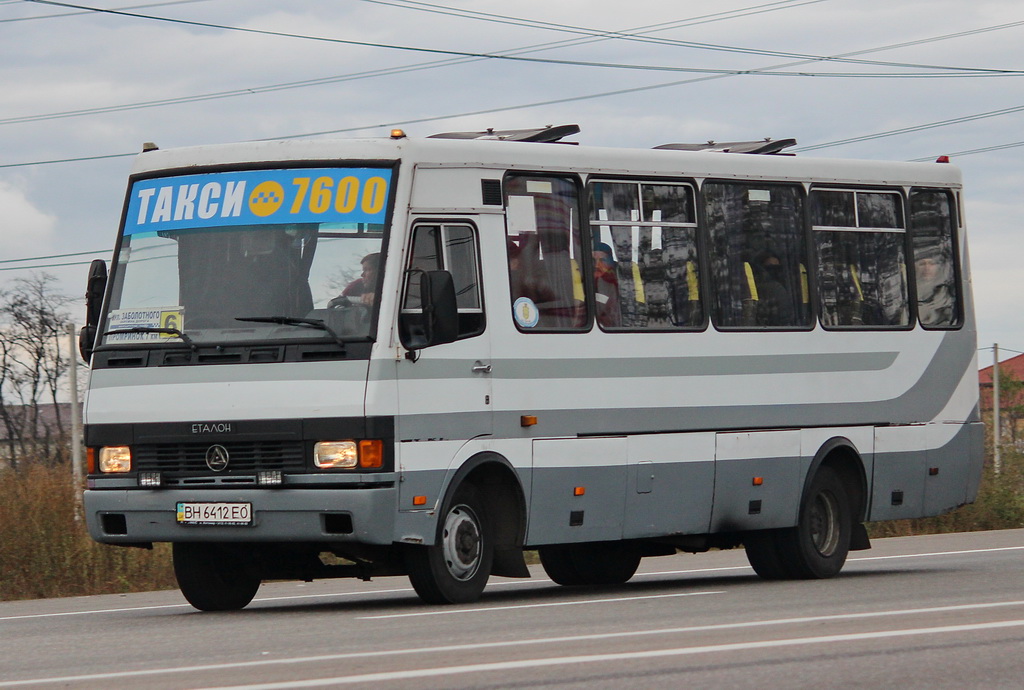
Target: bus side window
point(649, 231)
point(546, 265)
point(758, 251)
point(931, 231)
point(860, 240)
point(451, 248)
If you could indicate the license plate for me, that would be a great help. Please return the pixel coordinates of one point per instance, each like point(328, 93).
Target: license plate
point(215, 513)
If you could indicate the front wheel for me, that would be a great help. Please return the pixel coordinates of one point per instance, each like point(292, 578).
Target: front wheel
point(456, 569)
point(212, 578)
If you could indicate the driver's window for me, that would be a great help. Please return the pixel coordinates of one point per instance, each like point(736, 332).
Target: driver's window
point(451, 248)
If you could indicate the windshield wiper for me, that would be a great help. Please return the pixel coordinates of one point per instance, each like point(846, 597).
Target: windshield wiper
point(295, 321)
point(149, 329)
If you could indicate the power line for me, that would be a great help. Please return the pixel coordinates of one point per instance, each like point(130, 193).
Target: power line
point(32, 268)
point(576, 98)
point(76, 14)
point(971, 152)
point(53, 256)
point(907, 130)
point(642, 30)
point(951, 71)
point(756, 9)
point(67, 160)
point(630, 36)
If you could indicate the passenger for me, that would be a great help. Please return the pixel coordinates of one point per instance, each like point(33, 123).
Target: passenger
point(632, 295)
point(936, 301)
point(606, 287)
point(775, 304)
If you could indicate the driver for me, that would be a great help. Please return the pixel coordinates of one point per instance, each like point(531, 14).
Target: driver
point(363, 288)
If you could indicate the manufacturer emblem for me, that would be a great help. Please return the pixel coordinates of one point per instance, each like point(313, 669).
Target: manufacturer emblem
point(217, 458)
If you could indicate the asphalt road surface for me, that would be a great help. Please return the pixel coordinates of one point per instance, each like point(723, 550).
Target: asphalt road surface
point(943, 611)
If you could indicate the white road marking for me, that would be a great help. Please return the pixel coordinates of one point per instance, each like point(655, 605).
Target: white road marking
point(547, 604)
point(622, 656)
point(496, 584)
point(511, 643)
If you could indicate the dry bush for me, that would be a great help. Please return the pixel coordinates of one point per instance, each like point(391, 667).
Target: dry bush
point(45, 552)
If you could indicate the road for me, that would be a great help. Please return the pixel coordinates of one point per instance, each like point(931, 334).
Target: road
point(942, 611)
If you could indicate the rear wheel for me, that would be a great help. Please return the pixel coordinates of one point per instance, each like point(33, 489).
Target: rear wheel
point(212, 578)
point(594, 563)
point(456, 569)
point(817, 547)
point(763, 555)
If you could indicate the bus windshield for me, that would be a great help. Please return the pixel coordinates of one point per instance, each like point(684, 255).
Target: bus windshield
point(221, 265)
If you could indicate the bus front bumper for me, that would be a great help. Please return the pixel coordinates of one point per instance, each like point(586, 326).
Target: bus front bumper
point(140, 516)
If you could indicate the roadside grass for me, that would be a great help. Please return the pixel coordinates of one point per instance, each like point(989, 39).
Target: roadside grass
point(45, 552)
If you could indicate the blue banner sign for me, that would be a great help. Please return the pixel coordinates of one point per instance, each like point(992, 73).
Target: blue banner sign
point(259, 197)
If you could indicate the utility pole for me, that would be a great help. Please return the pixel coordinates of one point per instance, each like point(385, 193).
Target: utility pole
point(997, 460)
point(76, 421)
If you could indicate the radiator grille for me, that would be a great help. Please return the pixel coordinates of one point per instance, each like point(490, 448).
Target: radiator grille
point(189, 459)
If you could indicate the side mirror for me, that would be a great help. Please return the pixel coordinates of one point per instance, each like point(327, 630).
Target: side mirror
point(437, 321)
point(94, 290)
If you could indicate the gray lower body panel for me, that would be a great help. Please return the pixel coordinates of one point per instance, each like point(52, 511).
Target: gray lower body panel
point(363, 515)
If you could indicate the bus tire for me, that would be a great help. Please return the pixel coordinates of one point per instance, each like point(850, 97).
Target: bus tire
point(594, 563)
point(763, 555)
point(456, 568)
point(212, 578)
point(559, 565)
point(817, 547)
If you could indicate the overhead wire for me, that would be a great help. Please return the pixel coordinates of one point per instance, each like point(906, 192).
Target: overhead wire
point(908, 130)
point(757, 9)
point(11, 20)
point(574, 98)
point(949, 71)
point(539, 47)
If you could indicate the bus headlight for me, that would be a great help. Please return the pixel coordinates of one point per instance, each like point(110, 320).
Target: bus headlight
point(115, 459)
point(347, 455)
point(336, 454)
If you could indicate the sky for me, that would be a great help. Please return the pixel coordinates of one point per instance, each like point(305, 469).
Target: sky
point(83, 89)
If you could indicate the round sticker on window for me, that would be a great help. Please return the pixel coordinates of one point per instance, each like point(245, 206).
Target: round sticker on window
point(526, 313)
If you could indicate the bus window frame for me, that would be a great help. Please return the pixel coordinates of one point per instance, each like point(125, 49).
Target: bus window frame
point(442, 224)
point(905, 230)
point(809, 254)
point(956, 227)
point(586, 266)
point(699, 231)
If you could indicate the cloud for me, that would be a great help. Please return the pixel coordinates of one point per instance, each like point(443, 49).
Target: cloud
point(24, 229)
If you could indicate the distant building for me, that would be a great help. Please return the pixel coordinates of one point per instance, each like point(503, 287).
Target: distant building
point(1012, 410)
point(1014, 367)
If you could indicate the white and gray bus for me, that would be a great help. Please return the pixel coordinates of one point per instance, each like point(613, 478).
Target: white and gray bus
point(423, 356)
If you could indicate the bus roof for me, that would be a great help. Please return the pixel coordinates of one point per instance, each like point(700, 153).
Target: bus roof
point(543, 156)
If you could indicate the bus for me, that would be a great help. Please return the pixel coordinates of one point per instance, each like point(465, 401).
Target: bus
point(425, 356)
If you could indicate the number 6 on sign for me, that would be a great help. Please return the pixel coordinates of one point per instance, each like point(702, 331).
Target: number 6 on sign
point(171, 319)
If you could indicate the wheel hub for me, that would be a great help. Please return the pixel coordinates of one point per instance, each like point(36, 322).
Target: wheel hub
point(462, 543)
point(824, 530)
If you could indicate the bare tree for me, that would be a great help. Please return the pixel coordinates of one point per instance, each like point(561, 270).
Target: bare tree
point(32, 366)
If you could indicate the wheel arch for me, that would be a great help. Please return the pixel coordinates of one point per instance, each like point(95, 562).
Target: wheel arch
point(502, 491)
point(840, 454)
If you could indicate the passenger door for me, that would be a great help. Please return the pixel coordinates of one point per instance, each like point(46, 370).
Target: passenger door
point(445, 390)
